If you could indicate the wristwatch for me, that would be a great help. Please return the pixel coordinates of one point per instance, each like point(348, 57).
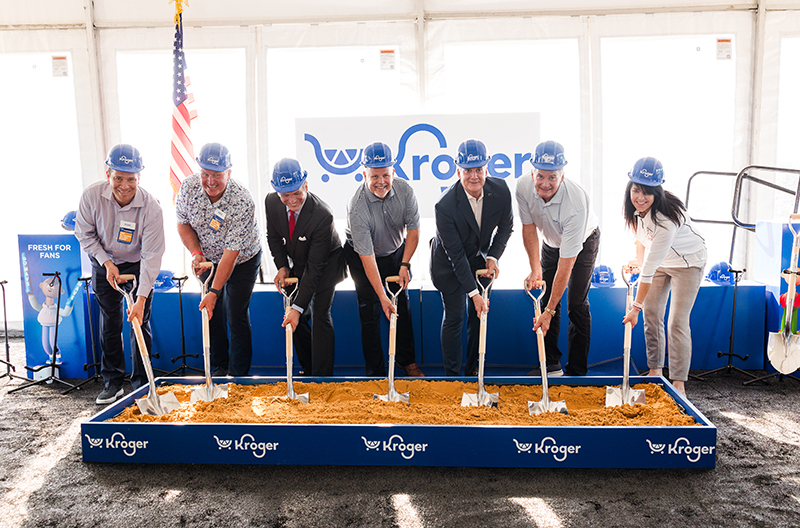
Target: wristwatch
point(406, 264)
point(548, 310)
point(215, 291)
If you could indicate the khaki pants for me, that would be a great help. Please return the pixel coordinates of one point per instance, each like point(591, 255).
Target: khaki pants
point(684, 283)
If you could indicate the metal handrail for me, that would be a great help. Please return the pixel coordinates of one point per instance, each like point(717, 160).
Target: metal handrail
point(742, 176)
point(707, 221)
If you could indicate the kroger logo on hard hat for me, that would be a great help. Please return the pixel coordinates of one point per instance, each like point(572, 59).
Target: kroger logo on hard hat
point(547, 159)
point(286, 179)
point(124, 159)
point(213, 160)
point(646, 174)
point(346, 161)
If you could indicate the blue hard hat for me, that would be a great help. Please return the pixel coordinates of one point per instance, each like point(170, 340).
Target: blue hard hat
point(164, 281)
point(472, 153)
point(214, 157)
point(647, 171)
point(288, 175)
point(549, 156)
point(603, 277)
point(68, 222)
point(720, 273)
point(125, 158)
point(377, 155)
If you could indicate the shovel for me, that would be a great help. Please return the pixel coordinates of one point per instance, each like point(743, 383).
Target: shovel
point(288, 299)
point(626, 395)
point(209, 391)
point(392, 395)
point(783, 348)
point(152, 404)
point(545, 405)
point(482, 398)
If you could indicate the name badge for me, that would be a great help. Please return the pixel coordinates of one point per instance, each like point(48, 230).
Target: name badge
point(126, 230)
point(216, 220)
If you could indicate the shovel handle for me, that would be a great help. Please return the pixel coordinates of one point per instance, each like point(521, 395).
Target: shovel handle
point(290, 280)
point(794, 216)
point(540, 344)
point(205, 264)
point(137, 330)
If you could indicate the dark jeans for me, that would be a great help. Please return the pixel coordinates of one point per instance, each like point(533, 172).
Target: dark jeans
point(112, 315)
point(314, 338)
point(370, 312)
point(452, 332)
point(580, 318)
point(233, 309)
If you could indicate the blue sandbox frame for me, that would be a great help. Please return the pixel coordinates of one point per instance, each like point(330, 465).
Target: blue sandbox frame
point(403, 445)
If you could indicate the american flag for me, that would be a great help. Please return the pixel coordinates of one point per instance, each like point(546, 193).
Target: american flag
point(182, 111)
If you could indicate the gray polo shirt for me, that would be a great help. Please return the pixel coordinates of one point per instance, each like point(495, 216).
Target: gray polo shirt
point(134, 233)
point(566, 221)
point(376, 226)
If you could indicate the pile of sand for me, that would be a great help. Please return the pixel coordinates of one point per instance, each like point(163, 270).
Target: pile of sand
point(431, 402)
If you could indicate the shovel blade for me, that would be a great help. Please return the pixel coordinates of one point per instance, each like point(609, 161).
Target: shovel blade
point(302, 398)
point(614, 397)
point(156, 405)
point(544, 407)
point(783, 351)
point(484, 399)
point(209, 393)
point(401, 397)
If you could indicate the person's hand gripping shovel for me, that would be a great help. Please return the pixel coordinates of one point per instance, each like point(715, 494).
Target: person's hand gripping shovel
point(482, 398)
point(209, 391)
point(288, 299)
point(392, 395)
point(783, 348)
point(545, 405)
point(152, 404)
point(623, 395)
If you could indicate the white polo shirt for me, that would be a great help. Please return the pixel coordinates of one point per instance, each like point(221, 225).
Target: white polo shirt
point(565, 222)
point(668, 245)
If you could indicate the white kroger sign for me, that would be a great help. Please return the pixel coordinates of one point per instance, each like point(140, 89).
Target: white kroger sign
point(548, 446)
point(424, 146)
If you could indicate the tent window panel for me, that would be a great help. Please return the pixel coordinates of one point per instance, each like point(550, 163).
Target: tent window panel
point(40, 138)
point(218, 81)
point(673, 99)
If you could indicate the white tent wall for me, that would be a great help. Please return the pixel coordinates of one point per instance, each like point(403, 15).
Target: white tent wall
point(424, 33)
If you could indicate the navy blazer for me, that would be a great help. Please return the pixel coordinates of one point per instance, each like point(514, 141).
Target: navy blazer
point(317, 257)
point(459, 248)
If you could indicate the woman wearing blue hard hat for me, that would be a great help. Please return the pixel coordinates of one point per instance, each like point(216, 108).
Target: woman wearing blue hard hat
point(672, 256)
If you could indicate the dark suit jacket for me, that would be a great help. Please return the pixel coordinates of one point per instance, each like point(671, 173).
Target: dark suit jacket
point(317, 258)
point(459, 248)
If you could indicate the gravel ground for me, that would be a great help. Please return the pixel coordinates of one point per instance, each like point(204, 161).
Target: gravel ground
point(44, 482)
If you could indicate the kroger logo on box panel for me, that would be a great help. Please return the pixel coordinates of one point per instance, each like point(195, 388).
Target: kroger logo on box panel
point(424, 147)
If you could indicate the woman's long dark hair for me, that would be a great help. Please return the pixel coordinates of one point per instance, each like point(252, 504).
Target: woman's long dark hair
point(665, 204)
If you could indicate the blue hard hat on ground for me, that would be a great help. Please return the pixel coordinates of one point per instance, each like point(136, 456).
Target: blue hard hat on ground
point(549, 155)
point(647, 171)
point(214, 157)
point(164, 281)
point(288, 175)
point(603, 277)
point(720, 274)
point(377, 155)
point(472, 153)
point(125, 158)
point(68, 222)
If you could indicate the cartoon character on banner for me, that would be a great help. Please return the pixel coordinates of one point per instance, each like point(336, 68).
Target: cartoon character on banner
point(47, 310)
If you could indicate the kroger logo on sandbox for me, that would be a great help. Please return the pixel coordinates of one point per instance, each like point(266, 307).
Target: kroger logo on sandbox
point(117, 441)
point(344, 161)
point(548, 446)
point(247, 443)
point(395, 444)
point(681, 447)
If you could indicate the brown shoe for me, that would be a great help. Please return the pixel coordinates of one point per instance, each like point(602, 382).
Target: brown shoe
point(413, 370)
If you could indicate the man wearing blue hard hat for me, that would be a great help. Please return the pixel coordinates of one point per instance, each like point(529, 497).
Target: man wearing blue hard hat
point(382, 236)
point(559, 208)
point(474, 220)
point(304, 244)
point(120, 226)
point(217, 222)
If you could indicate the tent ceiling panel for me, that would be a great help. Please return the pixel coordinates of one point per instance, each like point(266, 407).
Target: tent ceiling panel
point(41, 12)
